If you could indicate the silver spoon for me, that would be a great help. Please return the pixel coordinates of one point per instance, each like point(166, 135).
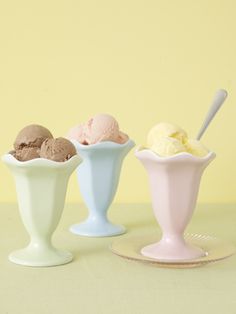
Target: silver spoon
point(218, 101)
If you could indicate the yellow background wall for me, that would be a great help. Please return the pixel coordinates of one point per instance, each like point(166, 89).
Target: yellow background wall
point(141, 61)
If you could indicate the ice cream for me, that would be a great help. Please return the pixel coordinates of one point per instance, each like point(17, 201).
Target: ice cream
point(100, 128)
point(164, 129)
point(77, 133)
point(122, 138)
point(57, 149)
point(35, 141)
point(166, 139)
point(32, 136)
point(196, 148)
point(28, 142)
point(167, 146)
point(26, 153)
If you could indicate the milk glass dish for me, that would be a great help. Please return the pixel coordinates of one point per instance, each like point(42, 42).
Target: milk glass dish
point(174, 183)
point(98, 178)
point(41, 186)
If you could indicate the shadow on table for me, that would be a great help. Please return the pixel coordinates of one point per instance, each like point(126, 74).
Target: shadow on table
point(142, 224)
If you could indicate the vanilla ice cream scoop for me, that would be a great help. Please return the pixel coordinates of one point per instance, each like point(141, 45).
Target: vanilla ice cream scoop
point(167, 146)
point(165, 129)
point(196, 148)
point(166, 139)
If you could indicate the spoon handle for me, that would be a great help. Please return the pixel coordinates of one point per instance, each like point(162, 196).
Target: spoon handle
point(216, 104)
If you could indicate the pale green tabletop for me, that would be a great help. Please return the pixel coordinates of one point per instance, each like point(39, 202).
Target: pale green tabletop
point(98, 282)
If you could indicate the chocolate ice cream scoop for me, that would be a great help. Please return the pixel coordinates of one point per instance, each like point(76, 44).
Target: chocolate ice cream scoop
point(58, 149)
point(31, 136)
point(26, 153)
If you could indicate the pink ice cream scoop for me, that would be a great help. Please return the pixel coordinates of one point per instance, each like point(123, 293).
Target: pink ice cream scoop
point(77, 133)
point(100, 128)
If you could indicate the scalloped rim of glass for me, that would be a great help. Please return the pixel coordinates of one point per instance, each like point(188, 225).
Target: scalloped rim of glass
point(10, 159)
point(103, 145)
point(180, 156)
